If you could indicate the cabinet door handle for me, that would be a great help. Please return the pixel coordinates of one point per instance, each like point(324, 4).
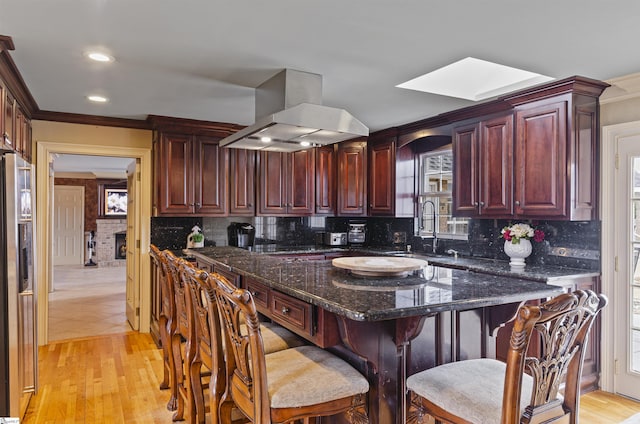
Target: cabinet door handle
point(481, 204)
point(517, 203)
point(255, 293)
point(198, 205)
point(475, 203)
point(285, 310)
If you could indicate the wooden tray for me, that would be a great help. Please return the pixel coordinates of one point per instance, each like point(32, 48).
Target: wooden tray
point(379, 266)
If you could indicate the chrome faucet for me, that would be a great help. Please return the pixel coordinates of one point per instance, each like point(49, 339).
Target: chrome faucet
point(433, 221)
point(453, 252)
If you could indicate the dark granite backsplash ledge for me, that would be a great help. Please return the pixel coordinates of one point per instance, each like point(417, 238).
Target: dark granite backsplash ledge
point(567, 244)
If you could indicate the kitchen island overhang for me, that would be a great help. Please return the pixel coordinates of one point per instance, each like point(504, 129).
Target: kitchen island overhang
point(374, 298)
point(388, 328)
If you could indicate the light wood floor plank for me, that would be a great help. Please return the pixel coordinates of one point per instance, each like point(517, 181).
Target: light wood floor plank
point(105, 379)
point(115, 379)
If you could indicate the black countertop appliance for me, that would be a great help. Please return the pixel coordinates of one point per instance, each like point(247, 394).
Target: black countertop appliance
point(241, 234)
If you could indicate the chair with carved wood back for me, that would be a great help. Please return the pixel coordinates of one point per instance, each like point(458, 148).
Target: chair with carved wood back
point(208, 352)
point(183, 345)
point(166, 321)
point(210, 344)
point(285, 386)
point(486, 391)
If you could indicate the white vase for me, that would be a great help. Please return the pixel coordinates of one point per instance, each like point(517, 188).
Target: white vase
point(518, 252)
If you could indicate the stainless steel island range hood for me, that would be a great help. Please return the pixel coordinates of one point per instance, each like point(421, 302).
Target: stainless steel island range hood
point(290, 117)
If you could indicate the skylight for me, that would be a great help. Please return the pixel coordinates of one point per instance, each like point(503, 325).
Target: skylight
point(474, 79)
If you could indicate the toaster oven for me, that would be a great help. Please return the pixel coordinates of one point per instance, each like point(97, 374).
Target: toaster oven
point(335, 239)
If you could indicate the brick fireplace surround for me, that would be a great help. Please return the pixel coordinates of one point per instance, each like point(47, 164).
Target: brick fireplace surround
point(105, 239)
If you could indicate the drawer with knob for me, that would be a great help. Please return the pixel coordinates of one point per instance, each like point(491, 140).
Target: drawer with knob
point(260, 294)
point(291, 312)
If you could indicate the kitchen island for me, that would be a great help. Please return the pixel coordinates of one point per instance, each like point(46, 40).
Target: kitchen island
point(388, 328)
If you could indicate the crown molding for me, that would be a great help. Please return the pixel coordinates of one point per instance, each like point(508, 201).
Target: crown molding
point(622, 88)
point(77, 118)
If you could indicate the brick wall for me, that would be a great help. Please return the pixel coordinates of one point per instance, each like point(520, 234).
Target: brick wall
point(105, 240)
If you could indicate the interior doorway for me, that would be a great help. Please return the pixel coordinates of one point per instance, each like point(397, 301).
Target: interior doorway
point(87, 293)
point(46, 152)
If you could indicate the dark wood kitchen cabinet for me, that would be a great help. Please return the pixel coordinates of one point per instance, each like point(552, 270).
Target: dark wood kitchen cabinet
point(15, 120)
point(8, 134)
point(326, 180)
point(286, 183)
point(191, 170)
point(541, 158)
point(391, 176)
point(191, 175)
point(483, 168)
point(550, 172)
point(3, 94)
point(242, 175)
point(19, 130)
point(352, 178)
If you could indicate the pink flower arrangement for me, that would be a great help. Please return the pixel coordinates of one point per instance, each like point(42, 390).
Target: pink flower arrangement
point(516, 232)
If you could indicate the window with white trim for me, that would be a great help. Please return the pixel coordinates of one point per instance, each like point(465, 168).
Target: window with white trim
point(435, 199)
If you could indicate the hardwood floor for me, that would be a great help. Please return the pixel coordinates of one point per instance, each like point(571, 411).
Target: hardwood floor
point(115, 379)
point(102, 379)
point(606, 408)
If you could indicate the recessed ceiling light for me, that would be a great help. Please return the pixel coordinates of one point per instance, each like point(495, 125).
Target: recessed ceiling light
point(305, 144)
point(100, 57)
point(265, 139)
point(474, 79)
point(97, 99)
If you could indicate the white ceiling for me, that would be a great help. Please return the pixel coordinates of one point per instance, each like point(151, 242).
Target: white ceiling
point(99, 166)
point(202, 59)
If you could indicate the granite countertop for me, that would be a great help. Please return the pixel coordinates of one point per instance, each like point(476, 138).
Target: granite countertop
point(543, 273)
point(430, 290)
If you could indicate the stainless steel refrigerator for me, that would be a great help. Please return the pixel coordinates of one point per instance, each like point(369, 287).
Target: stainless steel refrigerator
point(18, 346)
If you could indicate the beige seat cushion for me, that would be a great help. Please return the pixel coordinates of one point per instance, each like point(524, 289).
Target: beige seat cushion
point(276, 338)
point(470, 389)
point(308, 375)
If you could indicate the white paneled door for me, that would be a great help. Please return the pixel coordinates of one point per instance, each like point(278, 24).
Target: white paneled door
point(627, 279)
point(68, 225)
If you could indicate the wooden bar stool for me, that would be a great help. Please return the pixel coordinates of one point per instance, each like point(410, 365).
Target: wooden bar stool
point(486, 391)
point(182, 339)
point(166, 324)
point(292, 384)
point(208, 354)
point(164, 318)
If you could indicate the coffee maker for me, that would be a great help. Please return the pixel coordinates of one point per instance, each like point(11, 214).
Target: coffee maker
point(357, 233)
point(241, 234)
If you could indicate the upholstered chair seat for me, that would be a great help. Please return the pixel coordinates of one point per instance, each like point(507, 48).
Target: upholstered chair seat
point(308, 375)
point(276, 338)
point(486, 391)
point(471, 390)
